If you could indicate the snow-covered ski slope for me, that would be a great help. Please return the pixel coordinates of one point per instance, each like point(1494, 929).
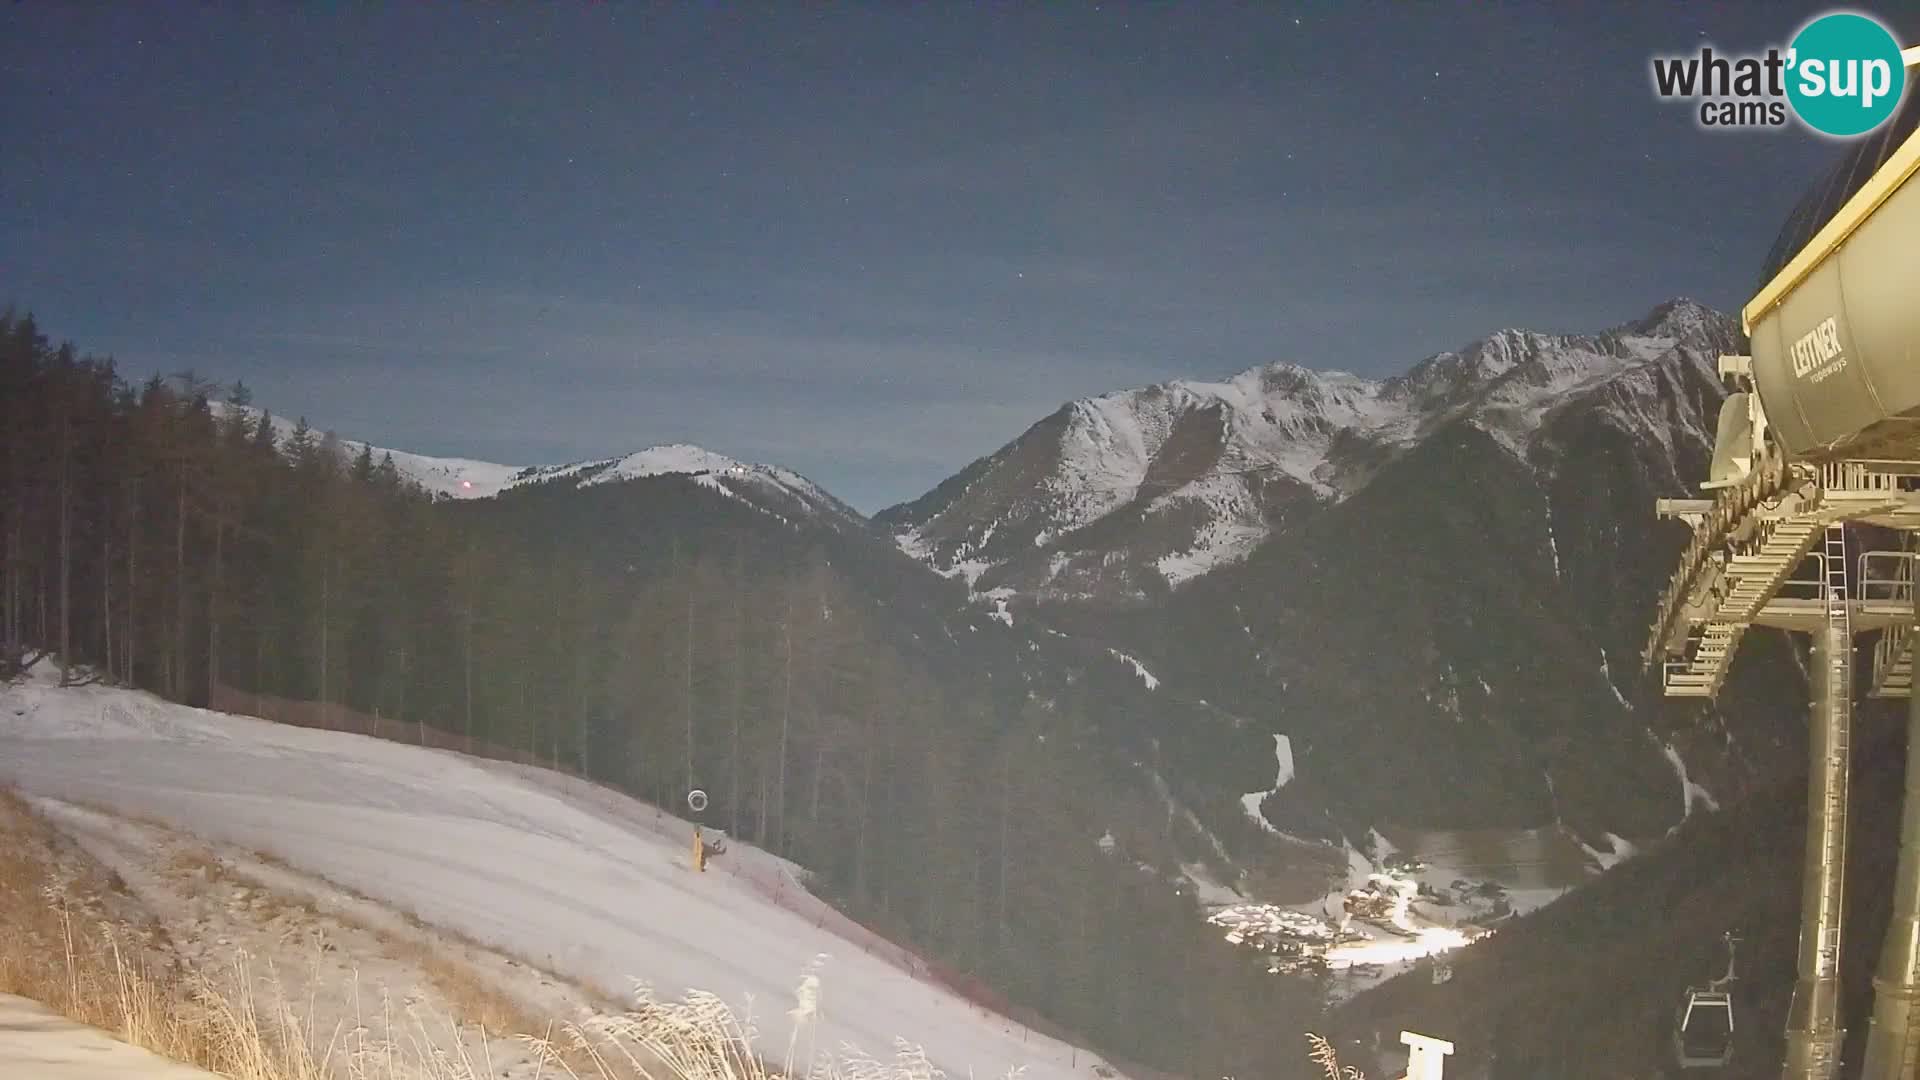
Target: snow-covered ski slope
point(38, 1043)
point(571, 877)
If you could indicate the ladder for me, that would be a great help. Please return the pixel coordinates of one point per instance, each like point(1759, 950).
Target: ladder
point(1840, 618)
point(1839, 700)
point(1835, 553)
point(1814, 1049)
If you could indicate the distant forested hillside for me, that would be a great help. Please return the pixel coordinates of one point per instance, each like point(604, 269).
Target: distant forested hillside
point(652, 634)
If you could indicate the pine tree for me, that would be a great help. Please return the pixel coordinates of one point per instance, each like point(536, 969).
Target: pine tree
point(263, 437)
point(302, 446)
point(387, 476)
point(363, 466)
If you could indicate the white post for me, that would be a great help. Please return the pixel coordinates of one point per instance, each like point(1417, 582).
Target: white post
point(1426, 1057)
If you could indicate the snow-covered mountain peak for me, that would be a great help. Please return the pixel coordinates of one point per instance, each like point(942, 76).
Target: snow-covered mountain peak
point(1184, 475)
point(674, 459)
point(1680, 319)
point(767, 487)
point(776, 490)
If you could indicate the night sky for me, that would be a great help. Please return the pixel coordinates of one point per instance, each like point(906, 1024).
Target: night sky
point(867, 242)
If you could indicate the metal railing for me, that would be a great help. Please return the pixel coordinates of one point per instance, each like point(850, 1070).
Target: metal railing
point(1895, 640)
point(1730, 507)
point(1857, 476)
point(1886, 576)
point(1800, 588)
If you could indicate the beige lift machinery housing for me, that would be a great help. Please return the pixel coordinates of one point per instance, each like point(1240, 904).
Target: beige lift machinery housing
point(1823, 430)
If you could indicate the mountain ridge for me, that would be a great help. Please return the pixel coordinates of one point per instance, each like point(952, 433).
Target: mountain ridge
point(1122, 495)
point(770, 488)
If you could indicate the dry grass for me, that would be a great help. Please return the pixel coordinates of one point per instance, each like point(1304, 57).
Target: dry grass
point(63, 948)
point(470, 996)
point(472, 999)
point(75, 943)
point(191, 860)
point(1325, 1056)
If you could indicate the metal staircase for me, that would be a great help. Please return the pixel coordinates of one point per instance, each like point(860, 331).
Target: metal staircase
point(1720, 519)
point(1758, 576)
point(1893, 664)
point(1755, 538)
point(1709, 657)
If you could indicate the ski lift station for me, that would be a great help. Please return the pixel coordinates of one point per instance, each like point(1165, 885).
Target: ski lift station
point(1820, 436)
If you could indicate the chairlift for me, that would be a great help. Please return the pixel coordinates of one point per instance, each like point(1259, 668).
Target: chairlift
point(1703, 1025)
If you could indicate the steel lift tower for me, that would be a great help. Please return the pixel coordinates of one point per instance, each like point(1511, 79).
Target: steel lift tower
point(1822, 431)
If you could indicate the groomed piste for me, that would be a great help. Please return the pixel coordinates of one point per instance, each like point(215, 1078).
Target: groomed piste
point(574, 878)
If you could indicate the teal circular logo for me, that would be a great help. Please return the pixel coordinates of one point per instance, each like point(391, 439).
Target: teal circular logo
point(1844, 75)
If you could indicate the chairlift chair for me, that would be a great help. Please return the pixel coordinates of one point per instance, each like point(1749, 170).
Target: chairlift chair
point(1703, 1025)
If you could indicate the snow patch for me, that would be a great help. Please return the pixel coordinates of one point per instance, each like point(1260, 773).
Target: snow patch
point(1380, 846)
point(1250, 805)
point(1210, 893)
point(1138, 669)
point(1250, 802)
point(1619, 851)
point(1690, 792)
point(1359, 869)
point(1283, 756)
point(1218, 544)
point(1606, 673)
point(1175, 810)
point(1000, 612)
point(1553, 546)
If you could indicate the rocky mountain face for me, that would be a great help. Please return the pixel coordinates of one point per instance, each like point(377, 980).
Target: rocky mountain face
point(1433, 586)
point(1122, 496)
